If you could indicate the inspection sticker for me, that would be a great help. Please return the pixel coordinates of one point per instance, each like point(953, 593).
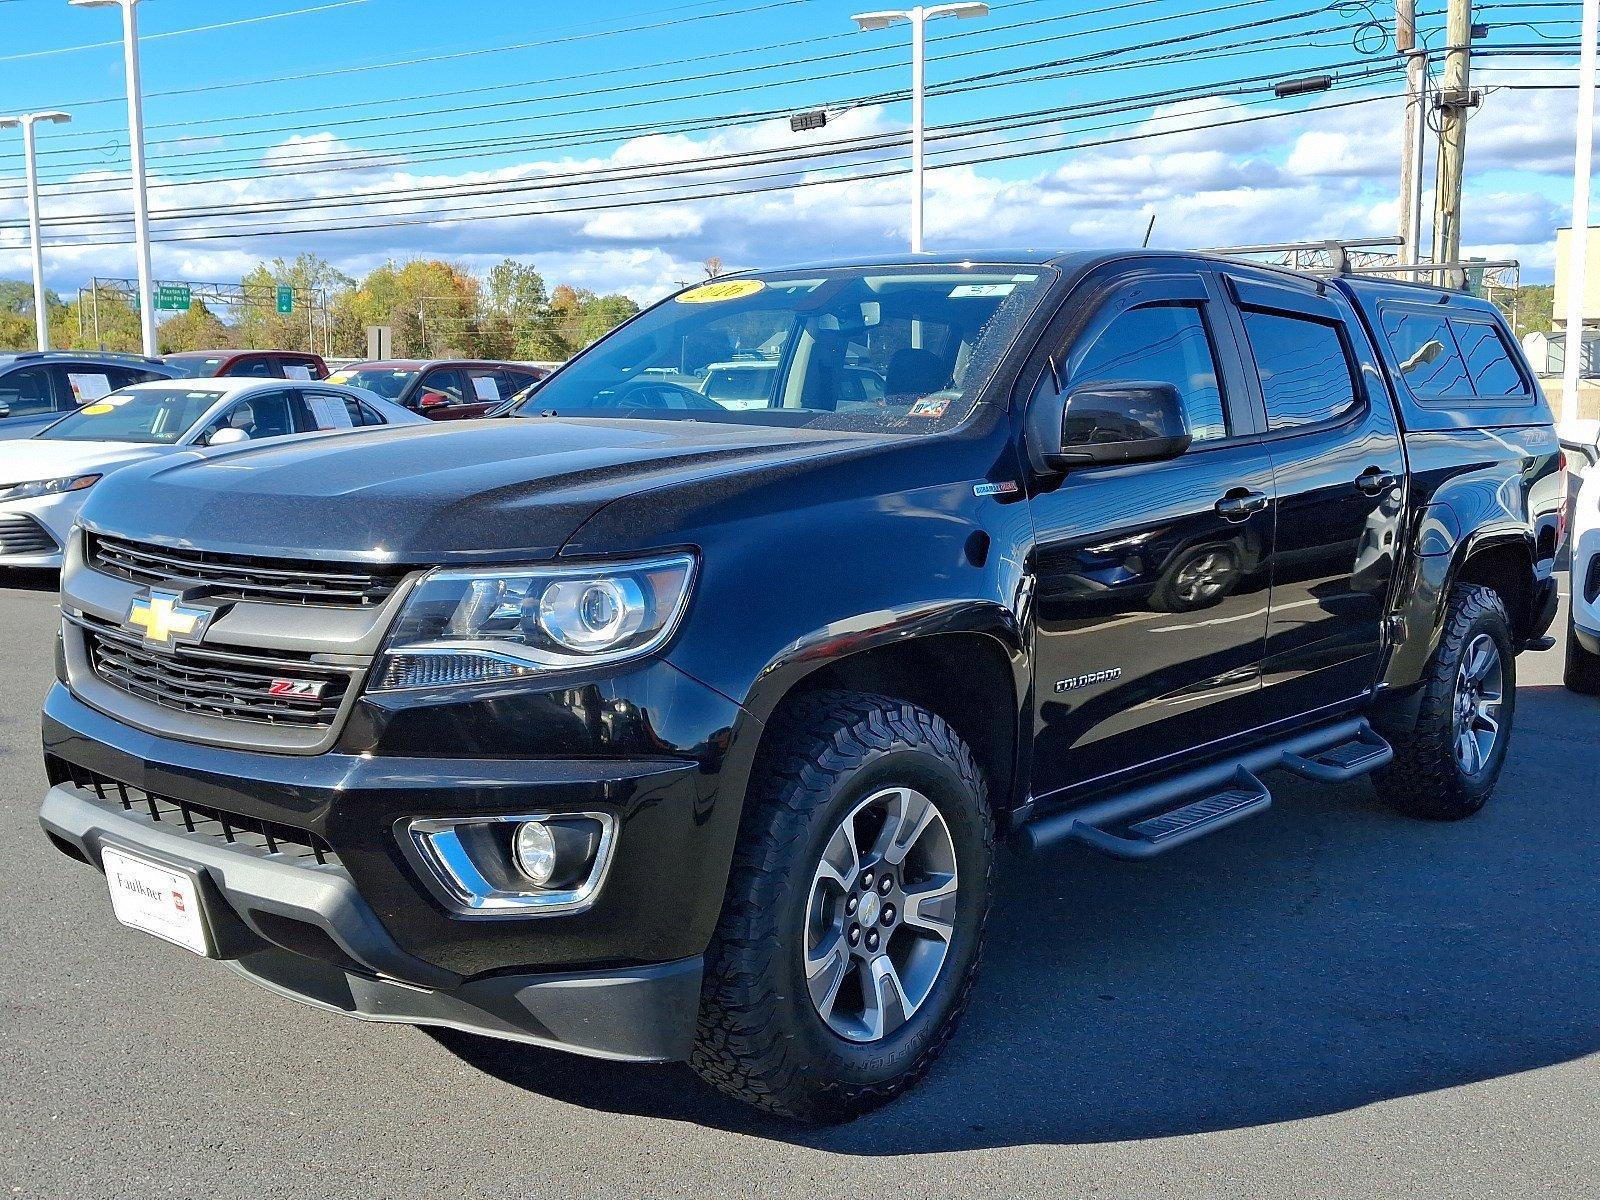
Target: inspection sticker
point(716, 293)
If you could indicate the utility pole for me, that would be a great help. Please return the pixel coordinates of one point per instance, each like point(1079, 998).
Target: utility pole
point(1578, 243)
point(1455, 101)
point(1411, 154)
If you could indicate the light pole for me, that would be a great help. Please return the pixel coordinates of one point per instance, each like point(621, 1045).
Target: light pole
point(26, 122)
point(141, 210)
point(918, 17)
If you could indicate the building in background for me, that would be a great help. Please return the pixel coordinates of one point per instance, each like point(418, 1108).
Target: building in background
point(1547, 352)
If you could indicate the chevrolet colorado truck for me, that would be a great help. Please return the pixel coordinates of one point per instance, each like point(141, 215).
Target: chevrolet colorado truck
point(657, 730)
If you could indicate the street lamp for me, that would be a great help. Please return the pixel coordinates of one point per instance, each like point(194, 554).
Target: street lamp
point(141, 209)
point(26, 122)
point(918, 17)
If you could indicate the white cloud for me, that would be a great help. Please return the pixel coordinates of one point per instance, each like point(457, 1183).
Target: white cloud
point(1210, 174)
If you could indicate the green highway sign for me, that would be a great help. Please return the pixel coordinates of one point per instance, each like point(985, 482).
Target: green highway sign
point(174, 296)
point(285, 300)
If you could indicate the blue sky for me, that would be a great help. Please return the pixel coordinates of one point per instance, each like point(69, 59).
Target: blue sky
point(556, 132)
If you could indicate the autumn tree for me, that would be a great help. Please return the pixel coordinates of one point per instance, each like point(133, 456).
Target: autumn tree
point(197, 329)
point(260, 325)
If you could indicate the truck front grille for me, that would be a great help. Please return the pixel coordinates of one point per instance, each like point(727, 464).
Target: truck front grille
point(198, 820)
point(21, 534)
point(242, 577)
point(239, 684)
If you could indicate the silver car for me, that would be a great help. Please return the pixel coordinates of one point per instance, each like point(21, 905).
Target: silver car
point(44, 479)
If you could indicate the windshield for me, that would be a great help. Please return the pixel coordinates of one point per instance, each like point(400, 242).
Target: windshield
point(194, 367)
point(388, 382)
point(155, 416)
point(893, 350)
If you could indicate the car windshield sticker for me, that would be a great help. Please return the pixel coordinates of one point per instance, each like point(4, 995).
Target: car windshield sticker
point(99, 410)
point(89, 387)
point(331, 412)
point(931, 407)
point(487, 387)
point(715, 293)
point(296, 371)
point(964, 291)
point(339, 377)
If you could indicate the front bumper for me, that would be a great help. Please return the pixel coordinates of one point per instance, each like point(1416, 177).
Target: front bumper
point(676, 819)
point(304, 931)
point(34, 532)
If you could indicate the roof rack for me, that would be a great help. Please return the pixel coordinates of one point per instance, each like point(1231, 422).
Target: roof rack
point(1376, 257)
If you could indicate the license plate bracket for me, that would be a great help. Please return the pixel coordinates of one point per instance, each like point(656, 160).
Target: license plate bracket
point(159, 899)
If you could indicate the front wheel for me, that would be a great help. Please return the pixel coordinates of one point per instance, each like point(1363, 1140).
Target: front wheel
point(1447, 763)
point(850, 934)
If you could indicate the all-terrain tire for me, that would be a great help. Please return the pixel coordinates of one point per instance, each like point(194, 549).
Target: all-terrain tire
point(760, 1037)
point(1427, 778)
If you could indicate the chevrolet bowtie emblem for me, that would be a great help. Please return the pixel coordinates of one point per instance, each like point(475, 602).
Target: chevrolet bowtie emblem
point(163, 617)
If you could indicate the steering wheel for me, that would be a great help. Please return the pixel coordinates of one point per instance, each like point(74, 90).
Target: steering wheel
point(651, 394)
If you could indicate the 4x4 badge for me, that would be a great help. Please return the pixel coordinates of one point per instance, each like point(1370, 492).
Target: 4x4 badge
point(163, 617)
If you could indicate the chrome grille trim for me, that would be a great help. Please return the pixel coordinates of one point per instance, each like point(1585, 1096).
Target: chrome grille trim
point(241, 577)
point(212, 682)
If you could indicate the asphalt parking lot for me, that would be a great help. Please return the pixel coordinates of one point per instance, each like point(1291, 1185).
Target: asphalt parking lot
point(1329, 1001)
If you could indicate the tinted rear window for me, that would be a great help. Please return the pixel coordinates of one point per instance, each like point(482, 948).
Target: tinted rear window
point(1450, 357)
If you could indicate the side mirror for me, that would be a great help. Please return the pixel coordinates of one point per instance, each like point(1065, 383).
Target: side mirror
point(433, 400)
point(227, 436)
point(1108, 423)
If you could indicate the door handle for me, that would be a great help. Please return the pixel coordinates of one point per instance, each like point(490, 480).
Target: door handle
point(1239, 504)
point(1375, 481)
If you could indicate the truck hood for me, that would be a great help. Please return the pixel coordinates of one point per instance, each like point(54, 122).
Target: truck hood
point(433, 493)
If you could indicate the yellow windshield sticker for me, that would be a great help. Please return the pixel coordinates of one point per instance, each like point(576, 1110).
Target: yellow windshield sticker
point(99, 410)
point(339, 377)
point(715, 293)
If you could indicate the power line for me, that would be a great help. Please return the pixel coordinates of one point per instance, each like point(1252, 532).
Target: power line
point(56, 159)
point(172, 33)
point(371, 159)
point(587, 206)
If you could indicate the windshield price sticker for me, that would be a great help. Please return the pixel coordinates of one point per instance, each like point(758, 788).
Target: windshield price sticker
point(716, 293)
point(966, 290)
point(486, 387)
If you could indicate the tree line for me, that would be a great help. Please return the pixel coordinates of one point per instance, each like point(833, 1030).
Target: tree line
point(434, 308)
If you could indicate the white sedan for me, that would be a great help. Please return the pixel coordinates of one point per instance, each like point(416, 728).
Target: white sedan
point(45, 479)
point(1583, 628)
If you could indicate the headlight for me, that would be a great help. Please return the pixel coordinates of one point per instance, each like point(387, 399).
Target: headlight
point(47, 487)
point(481, 626)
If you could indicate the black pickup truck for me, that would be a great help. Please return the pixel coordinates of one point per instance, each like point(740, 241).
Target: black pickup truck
point(658, 729)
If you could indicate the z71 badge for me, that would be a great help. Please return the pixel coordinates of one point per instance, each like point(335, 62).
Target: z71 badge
point(297, 689)
point(1083, 681)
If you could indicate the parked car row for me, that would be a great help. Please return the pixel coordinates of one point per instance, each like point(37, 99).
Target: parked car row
point(45, 478)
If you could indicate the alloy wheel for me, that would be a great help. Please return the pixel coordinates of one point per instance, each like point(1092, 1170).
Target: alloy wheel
point(881, 914)
point(1480, 690)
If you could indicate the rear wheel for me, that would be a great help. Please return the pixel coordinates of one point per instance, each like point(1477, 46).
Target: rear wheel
point(1583, 667)
point(850, 934)
point(1446, 765)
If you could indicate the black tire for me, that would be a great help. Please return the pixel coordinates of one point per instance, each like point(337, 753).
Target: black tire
point(761, 1039)
point(1582, 673)
point(1427, 777)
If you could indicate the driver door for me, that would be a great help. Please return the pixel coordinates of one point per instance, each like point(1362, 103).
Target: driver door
point(1153, 579)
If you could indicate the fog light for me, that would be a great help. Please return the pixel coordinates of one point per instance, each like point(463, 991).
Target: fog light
point(534, 849)
point(534, 863)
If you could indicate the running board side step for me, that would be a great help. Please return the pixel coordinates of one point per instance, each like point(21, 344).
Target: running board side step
point(1173, 812)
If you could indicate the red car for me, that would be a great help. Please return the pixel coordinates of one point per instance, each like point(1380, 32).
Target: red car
point(250, 364)
point(442, 389)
